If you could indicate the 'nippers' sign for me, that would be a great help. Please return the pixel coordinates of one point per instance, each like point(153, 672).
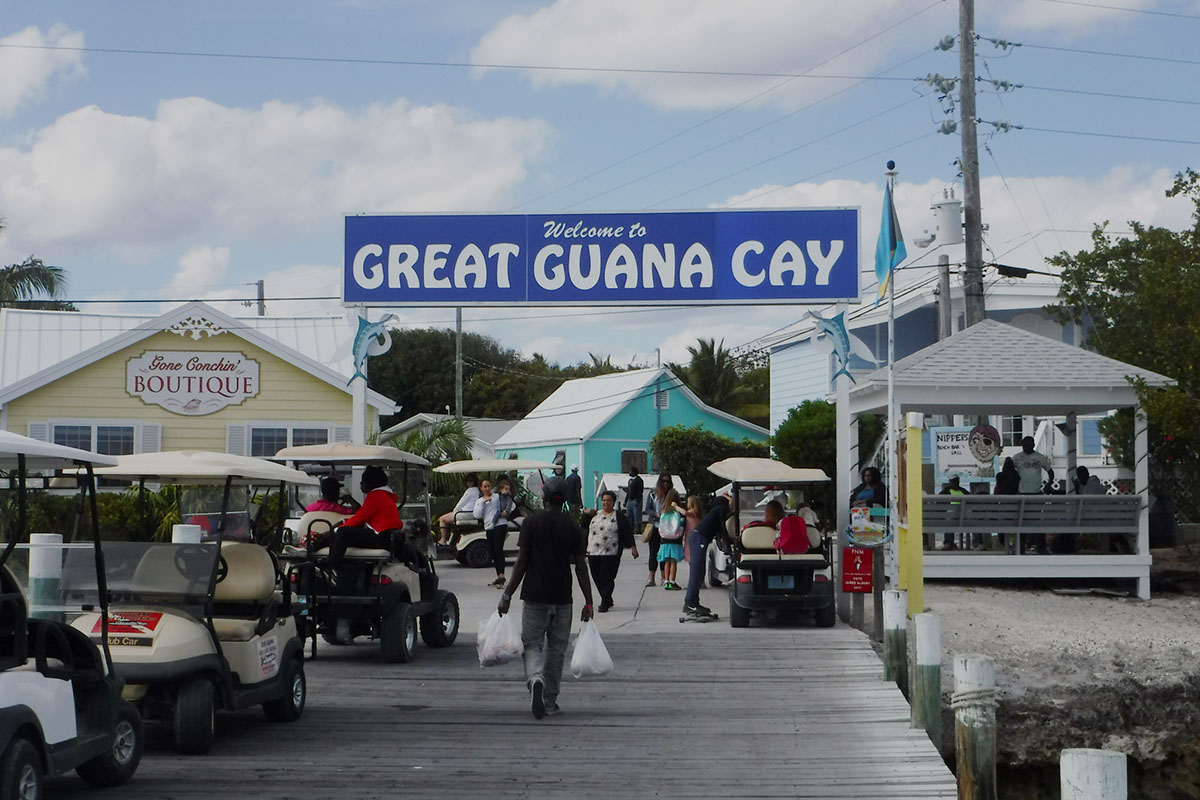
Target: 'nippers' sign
point(627, 258)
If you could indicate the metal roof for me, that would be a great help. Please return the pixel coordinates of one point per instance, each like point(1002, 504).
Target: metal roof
point(39, 346)
point(1003, 369)
point(579, 408)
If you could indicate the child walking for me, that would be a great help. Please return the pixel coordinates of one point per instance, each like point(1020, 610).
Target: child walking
point(670, 552)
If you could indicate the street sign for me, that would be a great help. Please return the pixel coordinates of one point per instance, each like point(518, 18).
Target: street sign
point(719, 257)
point(856, 569)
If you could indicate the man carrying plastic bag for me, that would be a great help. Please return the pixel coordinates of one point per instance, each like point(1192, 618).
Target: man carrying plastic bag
point(550, 544)
point(498, 641)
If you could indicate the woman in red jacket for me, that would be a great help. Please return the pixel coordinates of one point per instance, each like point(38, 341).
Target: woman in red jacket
point(366, 526)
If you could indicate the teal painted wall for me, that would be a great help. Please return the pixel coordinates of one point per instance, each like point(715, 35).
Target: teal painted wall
point(632, 428)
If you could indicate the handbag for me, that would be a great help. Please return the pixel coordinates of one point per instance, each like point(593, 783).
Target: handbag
point(647, 531)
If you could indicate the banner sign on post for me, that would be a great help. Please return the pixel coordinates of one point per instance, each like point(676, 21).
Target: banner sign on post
point(627, 258)
point(856, 569)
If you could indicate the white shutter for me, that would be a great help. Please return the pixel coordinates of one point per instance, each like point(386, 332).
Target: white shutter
point(236, 440)
point(151, 438)
point(341, 433)
point(39, 431)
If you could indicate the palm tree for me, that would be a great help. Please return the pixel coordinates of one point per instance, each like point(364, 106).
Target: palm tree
point(713, 375)
point(21, 283)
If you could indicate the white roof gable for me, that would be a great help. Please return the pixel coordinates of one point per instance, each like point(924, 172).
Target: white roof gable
point(1004, 369)
point(37, 347)
point(581, 407)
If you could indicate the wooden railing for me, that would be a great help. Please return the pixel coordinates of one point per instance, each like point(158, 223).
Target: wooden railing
point(1031, 513)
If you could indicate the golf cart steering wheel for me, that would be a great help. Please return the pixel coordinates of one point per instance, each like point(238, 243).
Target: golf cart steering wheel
point(189, 556)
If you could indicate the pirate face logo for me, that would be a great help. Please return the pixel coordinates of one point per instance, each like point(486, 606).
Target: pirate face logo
point(984, 443)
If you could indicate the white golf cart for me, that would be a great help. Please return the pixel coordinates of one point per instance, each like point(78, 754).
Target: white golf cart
point(766, 580)
point(196, 626)
point(60, 703)
point(468, 538)
point(378, 592)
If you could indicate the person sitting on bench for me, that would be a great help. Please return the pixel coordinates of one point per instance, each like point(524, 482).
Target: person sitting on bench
point(368, 526)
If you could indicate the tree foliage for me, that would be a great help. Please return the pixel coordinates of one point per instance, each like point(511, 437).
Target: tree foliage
point(32, 284)
point(807, 437)
point(1139, 294)
point(687, 452)
point(725, 381)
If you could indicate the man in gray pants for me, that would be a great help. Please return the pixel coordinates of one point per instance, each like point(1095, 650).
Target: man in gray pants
point(550, 543)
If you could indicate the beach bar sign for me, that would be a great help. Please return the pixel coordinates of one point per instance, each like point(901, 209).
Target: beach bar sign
point(721, 257)
point(191, 383)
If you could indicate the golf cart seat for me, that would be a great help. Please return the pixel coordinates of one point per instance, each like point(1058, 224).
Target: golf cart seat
point(758, 544)
point(317, 522)
point(467, 519)
point(243, 598)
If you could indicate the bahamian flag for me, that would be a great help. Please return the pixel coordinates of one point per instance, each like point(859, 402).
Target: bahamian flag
point(889, 251)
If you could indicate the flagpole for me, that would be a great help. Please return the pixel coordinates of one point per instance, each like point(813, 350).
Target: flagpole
point(894, 561)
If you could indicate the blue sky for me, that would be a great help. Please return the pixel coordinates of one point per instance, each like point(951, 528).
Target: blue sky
point(177, 176)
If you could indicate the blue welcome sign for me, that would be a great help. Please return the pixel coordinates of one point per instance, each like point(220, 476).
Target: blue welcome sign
point(628, 258)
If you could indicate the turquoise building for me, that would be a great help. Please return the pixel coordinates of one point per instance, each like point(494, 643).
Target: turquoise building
point(605, 424)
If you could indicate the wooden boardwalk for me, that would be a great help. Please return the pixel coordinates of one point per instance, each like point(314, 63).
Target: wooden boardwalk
point(696, 710)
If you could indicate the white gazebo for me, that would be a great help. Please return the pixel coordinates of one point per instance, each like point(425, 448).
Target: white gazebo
point(994, 368)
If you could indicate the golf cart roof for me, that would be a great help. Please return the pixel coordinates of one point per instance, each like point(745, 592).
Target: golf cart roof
point(493, 465)
point(363, 455)
point(617, 481)
point(44, 455)
point(197, 467)
point(764, 470)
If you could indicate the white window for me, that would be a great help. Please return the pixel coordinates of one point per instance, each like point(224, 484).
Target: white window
point(1012, 430)
point(112, 437)
point(264, 439)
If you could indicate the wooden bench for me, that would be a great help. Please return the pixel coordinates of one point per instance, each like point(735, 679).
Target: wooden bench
point(1031, 513)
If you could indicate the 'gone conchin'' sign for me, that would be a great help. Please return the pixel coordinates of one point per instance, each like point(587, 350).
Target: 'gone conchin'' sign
point(627, 258)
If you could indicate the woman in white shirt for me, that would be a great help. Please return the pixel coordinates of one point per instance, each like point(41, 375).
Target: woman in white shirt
point(608, 534)
point(465, 503)
point(494, 510)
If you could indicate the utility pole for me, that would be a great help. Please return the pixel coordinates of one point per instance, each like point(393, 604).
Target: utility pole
point(262, 298)
point(944, 306)
point(458, 389)
point(973, 268)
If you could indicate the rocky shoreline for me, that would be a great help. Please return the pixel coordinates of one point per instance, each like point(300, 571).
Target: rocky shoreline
point(1084, 670)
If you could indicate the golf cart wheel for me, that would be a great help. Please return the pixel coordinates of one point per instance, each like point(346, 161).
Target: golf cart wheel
point(21, 775)
point(714, 580)
point(477, 555)
point(439, 628)
point(738, 617)
point(289, 707)
point(398, 635)
point(826, 616)
point(195, 709)
point(118, 765)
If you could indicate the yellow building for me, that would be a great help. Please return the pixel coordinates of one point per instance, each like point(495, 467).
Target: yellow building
point(193, 378)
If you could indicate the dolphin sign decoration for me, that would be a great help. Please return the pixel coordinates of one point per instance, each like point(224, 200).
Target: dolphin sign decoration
point(831, 336)
point(372, 339)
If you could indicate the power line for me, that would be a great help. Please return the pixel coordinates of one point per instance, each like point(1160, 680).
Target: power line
point(877, 153)
point(787, 152)
point(1111, 54)
point(1123, 8)
point(745, 102)
point(421, 63)
point(1111, 95)
point(1109, 135)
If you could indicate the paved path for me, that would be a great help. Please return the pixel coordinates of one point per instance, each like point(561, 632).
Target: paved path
point(692, 710)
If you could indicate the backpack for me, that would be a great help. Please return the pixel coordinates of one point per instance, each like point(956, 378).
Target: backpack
point(670, 526)
point(793, 536)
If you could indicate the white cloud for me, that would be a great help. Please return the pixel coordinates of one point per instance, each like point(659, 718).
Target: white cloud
point(130, 185)
point(28, 69)
point(1039, 15)
point(200, 269)
point(783, 37)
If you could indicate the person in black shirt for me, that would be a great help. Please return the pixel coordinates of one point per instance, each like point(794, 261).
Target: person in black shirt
point(575, 491)
point(635, 490)
point(550, 544)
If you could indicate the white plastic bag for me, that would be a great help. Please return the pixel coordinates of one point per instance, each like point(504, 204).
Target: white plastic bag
point(498, 641)
point(590, 656)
